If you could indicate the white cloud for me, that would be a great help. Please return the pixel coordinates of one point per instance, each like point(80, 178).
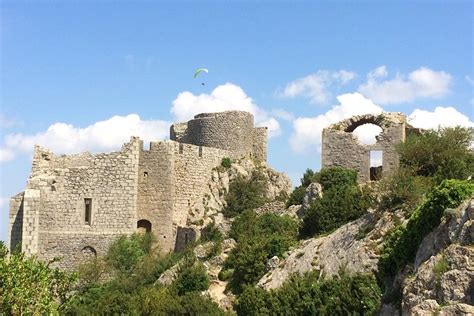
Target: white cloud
point(283, 114)
point(421, 83)
point(308, 130)
point(315, 86)
point(223, 98)
point(470, 80)
point(440, 117)
point(105, 135)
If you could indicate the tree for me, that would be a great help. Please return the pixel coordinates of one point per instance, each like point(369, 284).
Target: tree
point(30, 286)
point(440, 154)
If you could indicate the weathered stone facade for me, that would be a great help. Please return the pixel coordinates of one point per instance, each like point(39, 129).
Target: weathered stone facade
point(340, 147)
point(74, 206)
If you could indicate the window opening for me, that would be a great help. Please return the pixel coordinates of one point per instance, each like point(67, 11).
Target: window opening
point(376, 162)
point(87, 211)
point(180, 148)
point(200, 151)
point(145, 176)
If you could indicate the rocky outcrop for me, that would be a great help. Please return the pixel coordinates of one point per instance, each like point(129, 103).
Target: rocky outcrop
point(443, 278)
point(214, 200)
point(355, 246)
point(313, 192)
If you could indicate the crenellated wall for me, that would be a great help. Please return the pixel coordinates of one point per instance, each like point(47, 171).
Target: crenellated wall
point(130, 190)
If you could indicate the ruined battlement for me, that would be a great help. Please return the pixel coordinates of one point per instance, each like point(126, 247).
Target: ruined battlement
point(75, 205)
point(230, 130)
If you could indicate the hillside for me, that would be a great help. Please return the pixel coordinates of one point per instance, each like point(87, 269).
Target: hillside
point(332, 246)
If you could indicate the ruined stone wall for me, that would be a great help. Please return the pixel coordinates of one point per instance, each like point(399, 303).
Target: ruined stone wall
point(54, 207)
point(341, 148)
point(156, 191)
point(15, 221)
point(260, 136)
point(230, 130)
point(193, 170)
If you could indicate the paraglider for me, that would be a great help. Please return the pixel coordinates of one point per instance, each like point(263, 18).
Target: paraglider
point(199, 71)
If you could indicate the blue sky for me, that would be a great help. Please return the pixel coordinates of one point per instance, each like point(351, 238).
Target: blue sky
point(296, 66)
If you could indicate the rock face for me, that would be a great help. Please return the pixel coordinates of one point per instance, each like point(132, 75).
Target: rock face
point(355, 246)
point(443, 280)
point(214, 200)
point(313, 192)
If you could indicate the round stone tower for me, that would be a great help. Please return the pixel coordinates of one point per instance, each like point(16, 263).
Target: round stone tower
point(230, 130)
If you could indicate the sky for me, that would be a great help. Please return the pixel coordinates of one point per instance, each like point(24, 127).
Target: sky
point(86, 75)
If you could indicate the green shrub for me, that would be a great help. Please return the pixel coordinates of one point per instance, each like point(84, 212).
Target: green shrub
point(192, 276)
point(211, 233)
point(440, 154)
point(258, 239)
point(226, 163)
point(333, 177)
point(403, 190)
point(401, 245)
point(29, 286)
point(246, 194)
point(296, 197)
point(306, 294)
point(126, 251)
point(342, 201)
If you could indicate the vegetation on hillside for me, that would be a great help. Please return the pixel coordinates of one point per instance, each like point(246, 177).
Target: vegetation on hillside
point(342, 201)
point(309, 294)
point(29, 286)
point(132, 268)
point(259, 238)
point(245, 194)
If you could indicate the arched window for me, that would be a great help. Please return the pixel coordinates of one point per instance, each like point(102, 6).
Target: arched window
point(143, 226)
point(88, 252)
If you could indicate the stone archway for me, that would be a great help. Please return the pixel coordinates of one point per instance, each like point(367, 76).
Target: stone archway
point(144, 226)
point(341, 147)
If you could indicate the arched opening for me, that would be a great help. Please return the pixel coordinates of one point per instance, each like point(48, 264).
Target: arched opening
point(366, 133)
point(88, 252)
point(143, 226)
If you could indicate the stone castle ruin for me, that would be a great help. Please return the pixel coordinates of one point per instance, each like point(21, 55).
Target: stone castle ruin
point(340, 147)
point(74, 206)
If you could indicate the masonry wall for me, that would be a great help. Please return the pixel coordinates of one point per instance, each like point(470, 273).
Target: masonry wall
point(230, 130)
point(53, 205)
point(156, 191)
point(341, 148)
point(193, 170)
point(260, 136)
point(15, 221)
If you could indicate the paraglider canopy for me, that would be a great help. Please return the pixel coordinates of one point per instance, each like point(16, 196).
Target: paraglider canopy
point(199, 71)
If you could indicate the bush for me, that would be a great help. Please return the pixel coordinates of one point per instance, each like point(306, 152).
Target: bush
point(441, 154)
point(246, 194)
point(192, 276)
point(211, 233)
point(296, 197)
point(29, 286)
point(226, 163)
point(403, 190)
point(125, 252)
point(335, 177)
point(342, 202)
point(401, 245)
point(345, 294)
point(258, 239)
